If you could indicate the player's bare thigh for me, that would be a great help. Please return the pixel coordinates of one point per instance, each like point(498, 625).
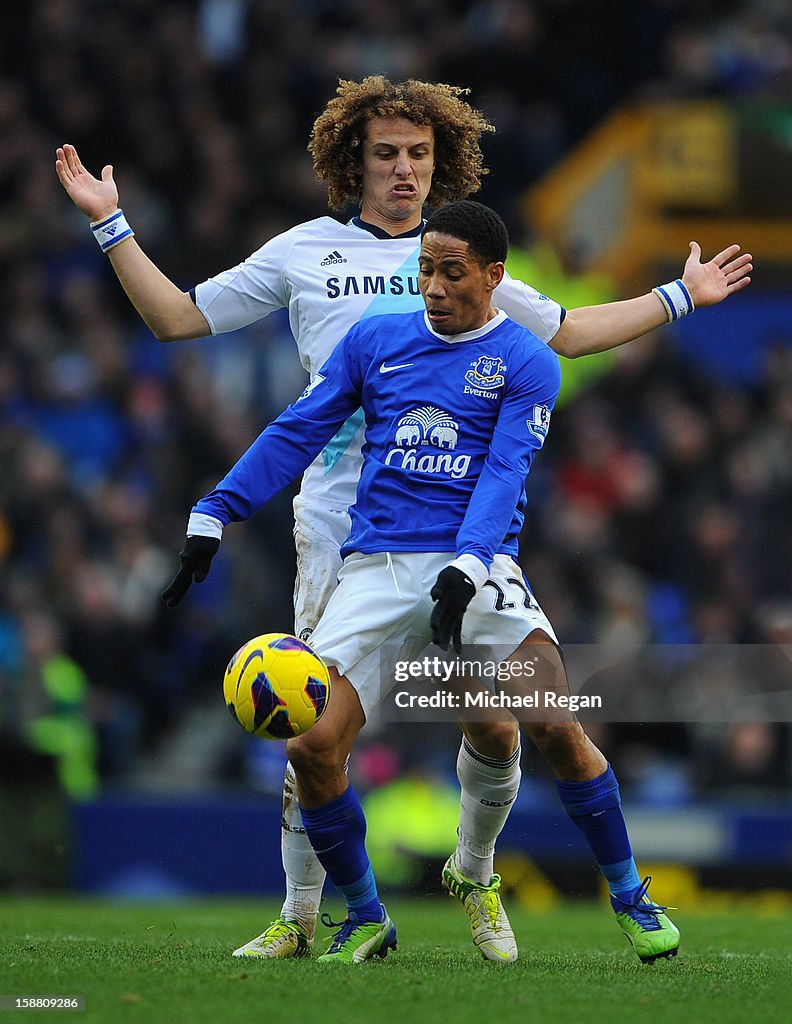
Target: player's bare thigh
point(559, 737)
point(496, 732)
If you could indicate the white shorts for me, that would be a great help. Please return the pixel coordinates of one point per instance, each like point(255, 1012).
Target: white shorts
point(380, 613)
point(319, 533)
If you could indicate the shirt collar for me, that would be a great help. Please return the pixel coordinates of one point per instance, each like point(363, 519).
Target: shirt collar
point(378, 232)
point(479, 332)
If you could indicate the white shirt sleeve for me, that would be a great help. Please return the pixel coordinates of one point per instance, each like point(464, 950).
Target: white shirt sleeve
point(251, 290)
point(529, 307)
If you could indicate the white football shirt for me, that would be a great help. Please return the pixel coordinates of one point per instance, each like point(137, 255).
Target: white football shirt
point(329, 276)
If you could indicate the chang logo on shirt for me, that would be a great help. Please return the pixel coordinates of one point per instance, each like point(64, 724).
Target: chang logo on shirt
point(428, 427)
point(485, 376)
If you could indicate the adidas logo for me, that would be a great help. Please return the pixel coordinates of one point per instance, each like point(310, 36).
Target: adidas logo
point(332, 258)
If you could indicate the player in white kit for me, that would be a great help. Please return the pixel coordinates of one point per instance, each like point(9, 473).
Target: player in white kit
point(393, 147)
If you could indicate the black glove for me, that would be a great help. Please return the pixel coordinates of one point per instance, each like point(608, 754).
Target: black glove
point(196, 557)
point(453, 592)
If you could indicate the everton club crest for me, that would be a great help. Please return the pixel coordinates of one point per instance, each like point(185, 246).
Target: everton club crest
point(485, 374)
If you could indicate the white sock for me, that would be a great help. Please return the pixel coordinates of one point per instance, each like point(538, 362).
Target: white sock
point(305, 876)
point(489, 788)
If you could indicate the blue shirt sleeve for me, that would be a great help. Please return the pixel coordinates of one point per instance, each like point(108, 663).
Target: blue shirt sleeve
point(520, 432)
point(292, 441)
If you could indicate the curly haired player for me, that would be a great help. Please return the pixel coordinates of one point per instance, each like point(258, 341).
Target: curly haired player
point(392, 147)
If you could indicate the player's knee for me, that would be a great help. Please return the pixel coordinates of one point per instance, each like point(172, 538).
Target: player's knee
point(498, 740)
point(315, 755)
point(556, 739)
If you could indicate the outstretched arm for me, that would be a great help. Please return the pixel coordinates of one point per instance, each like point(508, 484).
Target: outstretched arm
point(598, 328)
point(279, 454)
point(169, 312)
point(492, 511)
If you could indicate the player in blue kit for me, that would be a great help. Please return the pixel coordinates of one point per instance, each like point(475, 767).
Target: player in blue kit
point(457, 400)
point(392, 147)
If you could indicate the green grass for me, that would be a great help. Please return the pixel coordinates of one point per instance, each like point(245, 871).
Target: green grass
point(170, 963)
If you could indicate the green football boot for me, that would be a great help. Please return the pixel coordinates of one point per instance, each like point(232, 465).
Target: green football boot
point(356, 941)
point(650, 932)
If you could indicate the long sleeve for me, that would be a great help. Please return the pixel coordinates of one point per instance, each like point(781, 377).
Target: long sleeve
point(519, 433)
point(290, 443)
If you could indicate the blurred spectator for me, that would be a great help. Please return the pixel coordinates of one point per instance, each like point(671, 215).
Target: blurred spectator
point(54, 703)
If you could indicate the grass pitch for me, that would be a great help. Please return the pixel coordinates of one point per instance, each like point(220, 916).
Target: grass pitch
point(163, 963)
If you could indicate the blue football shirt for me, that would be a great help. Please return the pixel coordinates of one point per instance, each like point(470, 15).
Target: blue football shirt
point(452, 426)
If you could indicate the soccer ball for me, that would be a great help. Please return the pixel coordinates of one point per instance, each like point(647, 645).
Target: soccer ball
point(276, 687)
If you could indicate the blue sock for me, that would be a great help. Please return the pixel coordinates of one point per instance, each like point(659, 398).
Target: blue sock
point(337, 833)
point(595, 807)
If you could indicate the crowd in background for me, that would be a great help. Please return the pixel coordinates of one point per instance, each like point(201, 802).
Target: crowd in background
point(658, 512)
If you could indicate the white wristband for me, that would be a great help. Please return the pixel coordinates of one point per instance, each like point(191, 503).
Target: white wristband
point(111, 230)
point(201, 525)
point(476, 571)
point(676, 299)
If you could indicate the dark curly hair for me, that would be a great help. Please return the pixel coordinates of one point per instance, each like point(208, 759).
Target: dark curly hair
point(336, 137)
point(476, 224)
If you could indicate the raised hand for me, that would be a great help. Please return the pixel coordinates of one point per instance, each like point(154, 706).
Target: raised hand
point(710, 283)
point(97, 198)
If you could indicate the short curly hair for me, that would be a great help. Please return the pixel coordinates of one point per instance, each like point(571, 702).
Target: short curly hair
point(476, 224)
point(336, 137)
